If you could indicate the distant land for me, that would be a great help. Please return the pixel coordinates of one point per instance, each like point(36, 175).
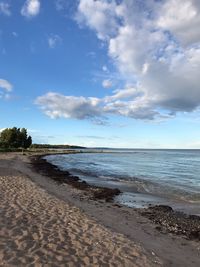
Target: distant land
point(56, 146)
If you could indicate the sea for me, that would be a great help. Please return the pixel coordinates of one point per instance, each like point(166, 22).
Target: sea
point(144, 176)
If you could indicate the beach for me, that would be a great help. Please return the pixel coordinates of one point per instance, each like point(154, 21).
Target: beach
point(47, 223)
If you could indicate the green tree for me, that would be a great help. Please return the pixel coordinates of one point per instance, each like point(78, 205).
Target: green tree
point(15, 138)
point(28, 142)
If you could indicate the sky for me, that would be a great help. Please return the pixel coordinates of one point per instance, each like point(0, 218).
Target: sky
point(110, 73)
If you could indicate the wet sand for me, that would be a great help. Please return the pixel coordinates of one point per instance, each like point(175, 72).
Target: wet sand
point(45, 222)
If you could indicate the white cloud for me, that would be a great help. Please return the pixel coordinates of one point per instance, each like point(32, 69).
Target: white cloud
point(96, 110)
point(7, 86)
point(31, 8)
point(126, 93)
point(107, 83)
point(5, 8)
point(54, 40)
point(182, 18)
point(155, 52)
point(57, 105)
point(156, 49)
point(99, 16)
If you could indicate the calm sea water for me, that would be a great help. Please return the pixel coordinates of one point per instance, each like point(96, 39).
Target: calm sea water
point(150, 175)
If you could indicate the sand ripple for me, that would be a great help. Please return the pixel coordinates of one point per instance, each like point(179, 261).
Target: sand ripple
point(37, 229)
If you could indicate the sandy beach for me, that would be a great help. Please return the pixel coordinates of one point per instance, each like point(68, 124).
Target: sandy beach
point(37, 229)
point(44, 223)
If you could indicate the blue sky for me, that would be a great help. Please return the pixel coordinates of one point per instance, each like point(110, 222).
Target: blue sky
point(102, 73)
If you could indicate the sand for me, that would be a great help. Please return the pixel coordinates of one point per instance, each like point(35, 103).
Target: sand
point(38, 229)
point(45, 223)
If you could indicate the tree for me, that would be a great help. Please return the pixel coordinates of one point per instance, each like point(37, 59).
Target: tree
point(28, 141)
point(14, 138)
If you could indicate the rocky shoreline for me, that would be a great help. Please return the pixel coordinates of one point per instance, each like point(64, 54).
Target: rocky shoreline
point(41, 165)
point(170, 221)
point(164, 217)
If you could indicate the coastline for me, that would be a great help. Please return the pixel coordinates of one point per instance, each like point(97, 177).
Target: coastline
point(169, 185)
point(166, 219)
point(171, 249)
point(42, 166)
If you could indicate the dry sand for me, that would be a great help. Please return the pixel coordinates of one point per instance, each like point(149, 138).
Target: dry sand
point(38, 229)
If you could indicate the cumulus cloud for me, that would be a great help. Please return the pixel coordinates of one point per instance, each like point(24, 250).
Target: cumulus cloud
point(56, 106)
point(182, 18)
point(96, 110)
point(31, 8)
point(54, 40)
point(155, 47)
point(5, 8)
point(99, 16)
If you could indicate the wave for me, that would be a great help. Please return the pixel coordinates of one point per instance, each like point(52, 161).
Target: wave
point(128, 183)
point(138, 185)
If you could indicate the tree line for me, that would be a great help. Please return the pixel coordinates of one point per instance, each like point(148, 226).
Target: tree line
point(15, 138)
point(48, 146)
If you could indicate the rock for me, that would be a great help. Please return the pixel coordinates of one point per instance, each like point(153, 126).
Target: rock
point(178, 223)
point(162, 208)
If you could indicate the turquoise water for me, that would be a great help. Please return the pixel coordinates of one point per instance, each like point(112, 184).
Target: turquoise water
point(169, 174)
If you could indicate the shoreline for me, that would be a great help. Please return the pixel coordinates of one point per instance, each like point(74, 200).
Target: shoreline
point(137, 192)
point(172, 250)
point(166, 219)
point(46, 168)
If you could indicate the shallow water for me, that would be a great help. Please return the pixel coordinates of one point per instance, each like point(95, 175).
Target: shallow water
point(159, 174)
